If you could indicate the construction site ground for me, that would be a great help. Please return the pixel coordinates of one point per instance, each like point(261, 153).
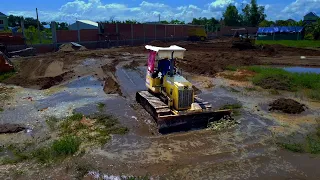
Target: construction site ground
point(61, 83)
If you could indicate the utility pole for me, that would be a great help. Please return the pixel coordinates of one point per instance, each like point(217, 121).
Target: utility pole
point(38, 26)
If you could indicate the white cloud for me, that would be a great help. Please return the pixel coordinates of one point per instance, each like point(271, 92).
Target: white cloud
point(299, 8)
point(219, 5)
point(146, 11)
point(267, 6)
point(96, 10)
point(152, 5)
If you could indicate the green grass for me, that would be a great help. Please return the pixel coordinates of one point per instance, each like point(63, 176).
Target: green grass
point(279, 79)
point(105, 125)
point(234, 107)
point(4, 76)
point(231, 106)
point(294, 147)
point(67, 145)
point(73, 132)
point(310, 145)
point(291, 43)
point(1, 109)
point(101, 106)
point(231, 68)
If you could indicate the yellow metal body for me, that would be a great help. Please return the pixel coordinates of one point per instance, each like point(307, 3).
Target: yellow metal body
point(153, 84)
point(177, 89)
point(197, 32)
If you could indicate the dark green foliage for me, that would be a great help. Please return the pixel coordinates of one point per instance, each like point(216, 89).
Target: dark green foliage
point(231, 16)
point(4, 76)
point(67, 145)
point(294, 147)
point(231, 106)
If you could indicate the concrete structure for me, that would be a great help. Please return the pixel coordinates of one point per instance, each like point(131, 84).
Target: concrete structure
point(83, 24)
point(309, 18)
point(3, 21)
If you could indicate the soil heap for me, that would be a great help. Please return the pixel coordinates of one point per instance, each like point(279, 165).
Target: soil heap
point(287, 106)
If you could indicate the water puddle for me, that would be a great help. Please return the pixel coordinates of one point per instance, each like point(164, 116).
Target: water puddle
point(131, 81)
point(302, 69)
point(33, 106)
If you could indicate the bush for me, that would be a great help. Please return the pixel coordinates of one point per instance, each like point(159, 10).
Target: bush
point(308, 36)
point(4, 76)
point(67, 145)
point(294, 147)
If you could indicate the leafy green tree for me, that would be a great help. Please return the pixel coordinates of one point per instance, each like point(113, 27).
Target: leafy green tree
point(253, 14)
point(14, 21)
point(30, 34)
point(164, 22)
point(266, 23)
point(176, 21)
point(297, 23)
point(282, 23)
point(204, 21)
point(316, 30)
point(231, 16)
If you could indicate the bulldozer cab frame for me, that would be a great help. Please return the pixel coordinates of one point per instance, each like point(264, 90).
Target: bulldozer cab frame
point(237, 32)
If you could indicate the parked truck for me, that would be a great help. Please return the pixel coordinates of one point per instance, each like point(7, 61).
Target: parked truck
point(197, 34)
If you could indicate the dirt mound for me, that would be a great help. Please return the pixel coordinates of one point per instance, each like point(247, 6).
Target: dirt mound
point(212, 63)
point(270, 50)
point(132, 65)
point(11, 128)
point(287, 106)
point(51, 81)
point(68, 47)
point(111, 86)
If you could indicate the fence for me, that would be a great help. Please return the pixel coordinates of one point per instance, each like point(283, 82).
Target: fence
point(126, 32)
point(110, 35)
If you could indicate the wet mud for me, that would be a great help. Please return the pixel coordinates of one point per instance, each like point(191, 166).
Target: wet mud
point(11, 128)
point(246, 150)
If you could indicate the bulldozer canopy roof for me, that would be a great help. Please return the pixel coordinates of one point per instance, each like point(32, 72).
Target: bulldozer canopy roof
point(166, 52)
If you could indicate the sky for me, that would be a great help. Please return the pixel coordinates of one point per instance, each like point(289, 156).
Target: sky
point(149, 10)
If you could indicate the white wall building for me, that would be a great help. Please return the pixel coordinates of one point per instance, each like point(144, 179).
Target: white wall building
point(83, 24)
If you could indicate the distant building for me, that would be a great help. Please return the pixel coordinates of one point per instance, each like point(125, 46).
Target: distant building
point(83, 24)
point(310, 18)
point(3, 21)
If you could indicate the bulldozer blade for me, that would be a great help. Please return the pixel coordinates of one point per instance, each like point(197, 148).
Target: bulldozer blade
point(166, 119)
point(192, 120)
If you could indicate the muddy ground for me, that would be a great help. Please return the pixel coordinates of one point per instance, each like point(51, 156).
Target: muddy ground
point(58, 84)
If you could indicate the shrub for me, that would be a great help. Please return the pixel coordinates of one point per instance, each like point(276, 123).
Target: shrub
point(67, 145)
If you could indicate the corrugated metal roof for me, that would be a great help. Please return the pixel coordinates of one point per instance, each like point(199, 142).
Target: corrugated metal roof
point(89, 22)
point(311, 14)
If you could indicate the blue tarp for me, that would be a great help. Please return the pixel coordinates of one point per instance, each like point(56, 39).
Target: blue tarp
point(277, 29)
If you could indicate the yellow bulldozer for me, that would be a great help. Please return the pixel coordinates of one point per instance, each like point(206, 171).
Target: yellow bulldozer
point(242, 40)
point(170, 98)
point(197, 34)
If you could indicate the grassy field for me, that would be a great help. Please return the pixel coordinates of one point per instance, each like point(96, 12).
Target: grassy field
point(279, 79)
point(291, 43)
point(6, 75)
